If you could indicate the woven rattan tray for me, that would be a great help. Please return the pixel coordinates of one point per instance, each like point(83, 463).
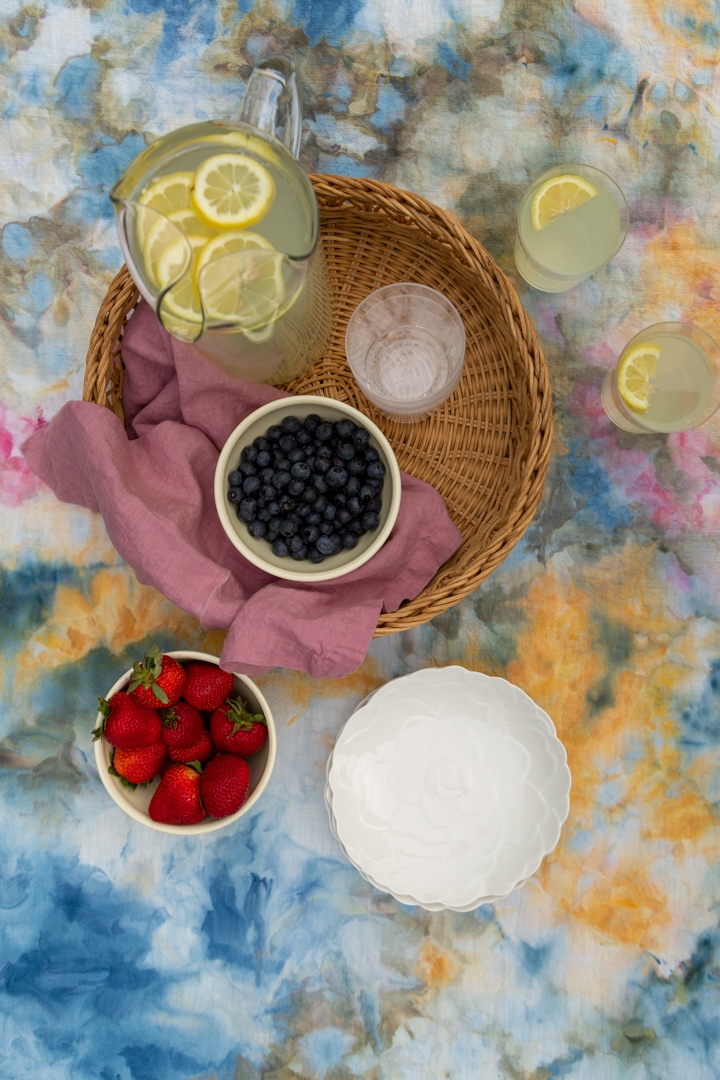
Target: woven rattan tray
point(486, 449)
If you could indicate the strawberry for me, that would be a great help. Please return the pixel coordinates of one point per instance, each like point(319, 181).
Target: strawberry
point(199, 752)
point(134, 767)
point(126, 724)
point(225, 785)
point(177, 799)
point(182, 725)
point(159, 680)
point(234, 730)
point(207, 685)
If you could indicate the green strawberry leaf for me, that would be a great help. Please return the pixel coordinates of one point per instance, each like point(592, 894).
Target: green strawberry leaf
point(196, 765)
point(160, 693)
point(169, 718)
point(97, 732)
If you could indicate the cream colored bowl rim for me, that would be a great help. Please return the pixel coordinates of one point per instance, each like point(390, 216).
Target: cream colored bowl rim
point(221, 501)
point(112, 786)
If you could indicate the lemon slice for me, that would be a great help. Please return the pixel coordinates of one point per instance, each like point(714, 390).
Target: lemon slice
point(164, 243)
point(559, 196)
point(248, 290)
point(169, 193)
point(634, 373)
point(191, 225)
point(231, 191)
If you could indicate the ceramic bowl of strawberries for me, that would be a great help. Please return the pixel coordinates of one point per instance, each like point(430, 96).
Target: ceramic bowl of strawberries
point(183, 746)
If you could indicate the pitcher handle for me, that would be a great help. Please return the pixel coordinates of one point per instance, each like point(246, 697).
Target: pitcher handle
point(272, 101)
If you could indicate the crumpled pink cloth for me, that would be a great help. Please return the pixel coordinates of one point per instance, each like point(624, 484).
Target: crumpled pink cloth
point(152, 481)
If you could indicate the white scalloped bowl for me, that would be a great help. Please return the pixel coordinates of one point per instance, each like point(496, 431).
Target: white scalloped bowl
point(447, 788)
point(135, 803)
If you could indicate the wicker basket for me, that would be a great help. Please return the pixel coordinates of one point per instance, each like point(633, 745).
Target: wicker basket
point(486, 449)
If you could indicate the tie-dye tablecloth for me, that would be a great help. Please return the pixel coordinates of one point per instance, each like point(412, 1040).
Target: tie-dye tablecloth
point(259, 952)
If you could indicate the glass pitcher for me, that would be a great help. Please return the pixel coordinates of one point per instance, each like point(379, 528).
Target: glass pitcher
point(219, 225)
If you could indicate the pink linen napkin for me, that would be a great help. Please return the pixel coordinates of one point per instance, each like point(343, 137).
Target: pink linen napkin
point(152, 481)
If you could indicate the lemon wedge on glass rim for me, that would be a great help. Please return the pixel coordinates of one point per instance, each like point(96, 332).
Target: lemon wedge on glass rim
point(557, 196)
point(232, 191)
point(636, 368)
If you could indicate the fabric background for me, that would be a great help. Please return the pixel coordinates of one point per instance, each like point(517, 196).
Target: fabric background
point(259, 952)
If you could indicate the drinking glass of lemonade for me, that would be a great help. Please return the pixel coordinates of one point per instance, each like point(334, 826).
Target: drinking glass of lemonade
point(572, 221)
point(667, 379)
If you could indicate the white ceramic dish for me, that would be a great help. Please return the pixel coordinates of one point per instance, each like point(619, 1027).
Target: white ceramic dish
point(447, 788)
point(259, 552)
point(135, 803)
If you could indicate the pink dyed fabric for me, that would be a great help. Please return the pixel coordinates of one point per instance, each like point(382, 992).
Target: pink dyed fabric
point(152, 481)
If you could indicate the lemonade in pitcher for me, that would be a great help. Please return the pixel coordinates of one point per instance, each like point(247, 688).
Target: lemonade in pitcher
point(220, 228)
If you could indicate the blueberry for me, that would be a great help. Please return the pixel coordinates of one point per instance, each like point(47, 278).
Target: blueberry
point(339, 498)
point(281, 479)
point(376, 470)
point(348, 539)
point(374, 506)
point(376, 484)
point(268, 492)
point(370, 521)
point(318, 482)
point(330, 513)
point(365, 493)
point(287, 443)
point(357, 527)
point(235, 478)
point(336, 543)
point(311, 461)
point(271, 535)
point(313, 518)
point(300, 554)
point(267, 475)
point(248, 453)
point(249, 506)
point(295, 487)
point(310, 495)
point(257, 529)
point(300, 471)
point(261, 443)
point(336, 477)
point(357, 467)
point(274, 523)
point(250, 484)
point(248, 469)
point(311, 422)
point(326, 527)
point(263, 459)
point(304, 438)
point(325, 432)
point(352, 487)
point(343, 516)
point(286, 504)
point(274, 507)
point(371, 454)
point(304, 511)
point(320, 504)
point(293, 516)
point(297, 454)
point(264, 514)
point(325, 545)
point(345, 451)
point(314, 555)
point(280, 547)
point(287, 527)
point(273, 433)
point(345, 428)
point(322, 465)
point(281, 463)
point(324, 452)
point(310, 533)
point(236, 495)
point(353, 505)
point(290, 424)
point(295, 542)
point(360, 438)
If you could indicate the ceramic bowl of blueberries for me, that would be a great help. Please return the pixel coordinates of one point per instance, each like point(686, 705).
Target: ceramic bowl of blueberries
point(307, 488)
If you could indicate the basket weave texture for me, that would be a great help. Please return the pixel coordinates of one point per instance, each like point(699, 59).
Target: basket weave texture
point(486, 448)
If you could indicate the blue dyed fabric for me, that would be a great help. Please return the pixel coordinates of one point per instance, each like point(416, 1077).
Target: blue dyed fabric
point(259, 952)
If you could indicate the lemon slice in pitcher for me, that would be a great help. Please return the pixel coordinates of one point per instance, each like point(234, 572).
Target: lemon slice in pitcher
point(231, 191)
point(247, 291)
point(634, 373)
point(169, 193)
point(559, 196)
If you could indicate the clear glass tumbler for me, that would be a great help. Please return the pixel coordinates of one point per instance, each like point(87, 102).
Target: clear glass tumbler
point(572, 221)
point(681, 366)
